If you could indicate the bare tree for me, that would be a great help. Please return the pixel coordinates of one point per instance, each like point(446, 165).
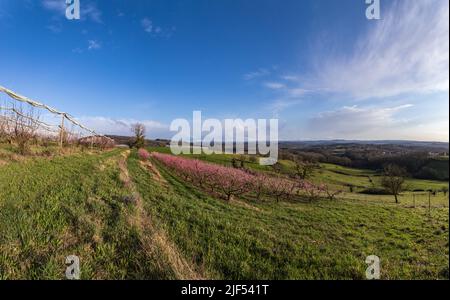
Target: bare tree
point(303, 169)
point(393, 180)
point(331, 194)
point(3, 128)
point(24, 126)
point(139, 135)
point(444, 190)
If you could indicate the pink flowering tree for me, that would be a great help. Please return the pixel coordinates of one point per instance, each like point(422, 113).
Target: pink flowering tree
point(259, 185)
point(229, 182)
point(311, 190)
point(280, 187)
point(143, 154)
point(233, 182)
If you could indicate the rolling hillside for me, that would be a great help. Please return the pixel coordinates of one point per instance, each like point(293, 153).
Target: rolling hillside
point(129, 219)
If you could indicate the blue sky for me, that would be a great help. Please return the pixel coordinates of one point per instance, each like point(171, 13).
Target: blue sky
point(319, 66)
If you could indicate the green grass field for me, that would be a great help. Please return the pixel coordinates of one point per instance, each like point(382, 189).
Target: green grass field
point(130, 220)
point(325, 240)
point(50, 209)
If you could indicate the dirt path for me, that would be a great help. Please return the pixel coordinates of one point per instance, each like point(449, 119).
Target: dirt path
point(155, 241)
point(154, 171)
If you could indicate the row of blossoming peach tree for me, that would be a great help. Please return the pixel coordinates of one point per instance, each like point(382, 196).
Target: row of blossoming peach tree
point(231, 182)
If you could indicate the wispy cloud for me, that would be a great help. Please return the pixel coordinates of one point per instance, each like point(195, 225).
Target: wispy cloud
point(280, 104)
point(94, 45)
point(155, 30)
point(274, 85)
point(91, 45)
point(90, 11)
point(54, 5)
point(107, 125)
point(257, 74)
point(286, 96)
point(77, 50)
point(147, 24)
point(55, 28)
point(290, 78)
point(378, 123)
point(358, 122)
point(405, 52)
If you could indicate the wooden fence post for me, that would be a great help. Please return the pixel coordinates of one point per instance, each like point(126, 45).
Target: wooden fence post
point(61, 133)
point(429, 202)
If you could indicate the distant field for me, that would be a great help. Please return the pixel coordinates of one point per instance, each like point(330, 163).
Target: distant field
point(343, 176)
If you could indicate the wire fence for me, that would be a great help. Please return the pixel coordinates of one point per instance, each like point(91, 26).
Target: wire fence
point(21, 118)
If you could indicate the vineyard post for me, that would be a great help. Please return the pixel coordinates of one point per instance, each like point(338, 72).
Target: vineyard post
point(429, 202)
point(61, 133)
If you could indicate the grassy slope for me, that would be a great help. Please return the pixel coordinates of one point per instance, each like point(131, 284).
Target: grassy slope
point(50, 209)
point(296, 240)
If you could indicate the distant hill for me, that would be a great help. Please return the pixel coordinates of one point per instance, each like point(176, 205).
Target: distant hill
point(128, 140)
point(439, 145)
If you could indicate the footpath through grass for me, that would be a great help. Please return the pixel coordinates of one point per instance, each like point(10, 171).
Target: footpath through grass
point(74, 205)
point(323, 240)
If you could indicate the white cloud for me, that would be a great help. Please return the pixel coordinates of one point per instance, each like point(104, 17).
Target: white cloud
point(281, 104)
point(290, 78)
point(94, 45)
point(156, 31)
point(354, 122)
point(55, 28)
point(77, 50)
point(274, 85)
point(90, 11)
point(296, 92)
point(256, 74)
point(286, 97)
point(57, 6)
point(147, 24)
point(405, 52)
point(112, 126)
